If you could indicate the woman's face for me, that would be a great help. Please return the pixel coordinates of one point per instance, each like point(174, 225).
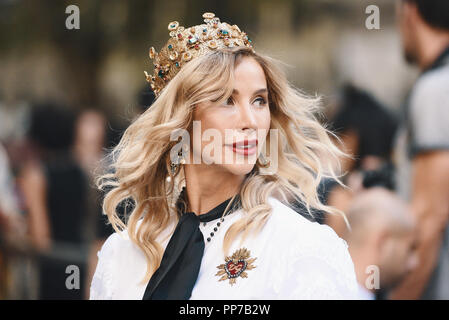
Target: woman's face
point(234, 132)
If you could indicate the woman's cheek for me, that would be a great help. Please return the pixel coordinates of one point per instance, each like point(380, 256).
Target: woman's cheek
point(265, 120)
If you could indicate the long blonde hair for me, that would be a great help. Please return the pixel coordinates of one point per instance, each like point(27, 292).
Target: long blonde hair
point(141, 161)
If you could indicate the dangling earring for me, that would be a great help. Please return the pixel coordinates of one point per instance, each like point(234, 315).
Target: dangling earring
point(263, 162)
point(174, 165)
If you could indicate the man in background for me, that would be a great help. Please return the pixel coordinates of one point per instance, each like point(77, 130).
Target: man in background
point(422, 145)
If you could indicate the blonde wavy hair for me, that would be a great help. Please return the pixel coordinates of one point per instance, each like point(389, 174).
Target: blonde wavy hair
point(140, 163)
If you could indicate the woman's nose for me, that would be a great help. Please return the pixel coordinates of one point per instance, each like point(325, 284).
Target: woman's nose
point(247, 117)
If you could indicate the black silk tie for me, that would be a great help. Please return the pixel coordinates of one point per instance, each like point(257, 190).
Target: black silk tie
point(181, 262)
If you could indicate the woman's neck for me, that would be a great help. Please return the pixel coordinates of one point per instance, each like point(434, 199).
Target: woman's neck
point(207, 186)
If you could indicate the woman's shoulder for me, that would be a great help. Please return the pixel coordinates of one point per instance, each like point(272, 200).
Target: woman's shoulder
point(102, 286)
point(120, 263)
point(309, 239)
point(114, 243)
point(306, 235)
point(296, 225)
point(119, 245)
point(316, 253)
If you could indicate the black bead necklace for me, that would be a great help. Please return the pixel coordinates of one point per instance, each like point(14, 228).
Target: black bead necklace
point(219, 223)
point(234, 207)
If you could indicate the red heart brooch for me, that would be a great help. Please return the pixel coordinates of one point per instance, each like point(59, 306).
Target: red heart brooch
point(236, 266)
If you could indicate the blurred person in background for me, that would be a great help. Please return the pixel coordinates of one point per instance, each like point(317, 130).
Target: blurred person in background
point(366, 129)
point(11, 221)
point(381, 239)
point(90, 137)
point(88, 150)
point(422, 146)
point(55, 187)
point(12, 227)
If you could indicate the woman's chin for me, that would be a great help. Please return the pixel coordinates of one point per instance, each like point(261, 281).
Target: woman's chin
point(239, 169)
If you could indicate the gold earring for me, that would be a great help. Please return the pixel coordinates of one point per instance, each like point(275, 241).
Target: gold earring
point(263, 162)
point(174, 165)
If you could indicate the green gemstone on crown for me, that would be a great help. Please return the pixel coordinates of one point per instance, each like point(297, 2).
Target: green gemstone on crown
point(193, 40)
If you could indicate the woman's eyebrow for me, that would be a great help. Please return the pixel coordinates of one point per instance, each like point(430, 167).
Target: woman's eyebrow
point(261, 90)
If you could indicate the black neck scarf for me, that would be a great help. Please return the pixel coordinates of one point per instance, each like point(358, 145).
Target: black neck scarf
point(180, 264)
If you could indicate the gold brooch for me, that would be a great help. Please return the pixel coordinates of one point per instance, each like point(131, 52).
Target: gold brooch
point(235, 266)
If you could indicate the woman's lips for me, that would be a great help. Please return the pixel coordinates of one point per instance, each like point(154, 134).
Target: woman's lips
point(245, 147)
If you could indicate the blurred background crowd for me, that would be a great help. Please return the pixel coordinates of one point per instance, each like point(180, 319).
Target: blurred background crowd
point(66, 96)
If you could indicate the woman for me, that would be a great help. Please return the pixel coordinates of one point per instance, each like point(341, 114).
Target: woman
point(204, 228)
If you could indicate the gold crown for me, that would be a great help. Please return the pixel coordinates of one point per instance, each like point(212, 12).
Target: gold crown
point(186, 44)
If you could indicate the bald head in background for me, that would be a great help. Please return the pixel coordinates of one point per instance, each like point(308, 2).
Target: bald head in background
point(377, 208)
point(382, 234)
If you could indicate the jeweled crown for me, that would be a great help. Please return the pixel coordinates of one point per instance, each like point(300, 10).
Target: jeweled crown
point(186, 44)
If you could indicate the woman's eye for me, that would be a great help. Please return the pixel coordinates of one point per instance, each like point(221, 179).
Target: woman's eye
point(229, 102)
point(261, 100)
